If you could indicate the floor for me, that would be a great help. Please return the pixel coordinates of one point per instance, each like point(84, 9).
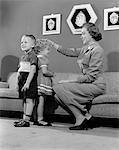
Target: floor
point(57, 137)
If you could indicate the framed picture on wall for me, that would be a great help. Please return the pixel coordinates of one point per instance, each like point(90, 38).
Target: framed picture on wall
point(111, 18)
point(51, 24)
point(79, 15)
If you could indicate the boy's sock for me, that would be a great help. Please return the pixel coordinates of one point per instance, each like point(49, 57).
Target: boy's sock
point(26, 117)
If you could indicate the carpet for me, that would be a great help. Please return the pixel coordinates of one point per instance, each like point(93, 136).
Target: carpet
point(57, 137)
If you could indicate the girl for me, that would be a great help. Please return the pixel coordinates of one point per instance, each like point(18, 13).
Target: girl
point(44, 82)
point(27, 78)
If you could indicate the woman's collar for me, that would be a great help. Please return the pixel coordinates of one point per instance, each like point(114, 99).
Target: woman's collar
point(92, 45)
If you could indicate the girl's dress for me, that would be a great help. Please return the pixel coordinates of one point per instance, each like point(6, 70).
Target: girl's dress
point(44, 80)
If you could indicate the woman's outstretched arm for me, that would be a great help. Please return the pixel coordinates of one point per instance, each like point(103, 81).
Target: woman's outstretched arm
point(71, 52)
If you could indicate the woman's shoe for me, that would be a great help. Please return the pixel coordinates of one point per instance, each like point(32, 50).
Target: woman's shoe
point(82, 126)
point(92, 123)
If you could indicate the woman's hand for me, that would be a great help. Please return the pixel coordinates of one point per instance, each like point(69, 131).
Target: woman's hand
point(50, 43)
point(80, 63)
point(39, 43)
point(62, 81)
point(47, 42)
point(66, 81)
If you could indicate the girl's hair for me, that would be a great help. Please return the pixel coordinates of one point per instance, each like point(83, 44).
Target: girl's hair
point(93, 31)
point(40, 47)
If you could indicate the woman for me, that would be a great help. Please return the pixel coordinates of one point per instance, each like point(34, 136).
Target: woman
point(78, 92)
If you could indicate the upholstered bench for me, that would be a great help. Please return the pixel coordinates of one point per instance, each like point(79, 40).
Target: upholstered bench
point(106, 105)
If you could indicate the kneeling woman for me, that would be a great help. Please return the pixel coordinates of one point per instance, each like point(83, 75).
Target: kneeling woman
point(79, 91)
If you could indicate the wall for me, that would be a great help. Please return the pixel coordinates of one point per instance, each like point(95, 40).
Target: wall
point(19, 17)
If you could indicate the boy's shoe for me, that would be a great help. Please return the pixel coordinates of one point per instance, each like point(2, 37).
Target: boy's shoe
point(18, 121)
point(23, 123)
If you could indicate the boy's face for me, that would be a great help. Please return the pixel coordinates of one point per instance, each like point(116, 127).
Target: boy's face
point(26, 43)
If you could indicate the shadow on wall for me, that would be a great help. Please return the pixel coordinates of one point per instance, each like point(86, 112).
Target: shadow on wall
point(9, 64)
point(113, 62)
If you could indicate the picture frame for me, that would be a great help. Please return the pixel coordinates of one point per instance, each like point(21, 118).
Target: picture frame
point(83, 13)
point(111, 18)
point(51, 24)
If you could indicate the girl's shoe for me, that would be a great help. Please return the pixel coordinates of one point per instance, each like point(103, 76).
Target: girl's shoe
point(37, 123)
point(42, 123)
point(23, 123)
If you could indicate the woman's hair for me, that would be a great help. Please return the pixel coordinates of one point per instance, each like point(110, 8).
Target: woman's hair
point(93, 31)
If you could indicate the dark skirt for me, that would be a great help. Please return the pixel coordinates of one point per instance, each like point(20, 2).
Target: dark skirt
point(32, 92)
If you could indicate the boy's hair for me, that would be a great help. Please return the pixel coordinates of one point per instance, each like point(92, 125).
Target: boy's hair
point(31, 36)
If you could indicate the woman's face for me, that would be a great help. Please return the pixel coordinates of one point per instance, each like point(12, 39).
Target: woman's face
point(26, 43)
point(85, 36)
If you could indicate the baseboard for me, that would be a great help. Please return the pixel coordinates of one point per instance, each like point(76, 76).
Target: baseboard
point(98, 122)
point(11, 114)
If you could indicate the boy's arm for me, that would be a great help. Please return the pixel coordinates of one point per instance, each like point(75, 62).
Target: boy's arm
point(17, 75)
point(30, 77)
